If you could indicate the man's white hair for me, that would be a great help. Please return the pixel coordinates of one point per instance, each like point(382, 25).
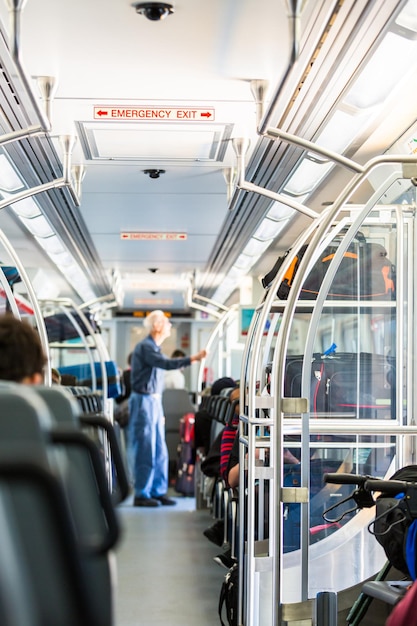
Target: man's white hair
point(151, 319)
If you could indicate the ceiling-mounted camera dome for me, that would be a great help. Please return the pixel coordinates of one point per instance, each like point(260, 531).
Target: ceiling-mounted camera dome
point(154, 11)
point(154, 173)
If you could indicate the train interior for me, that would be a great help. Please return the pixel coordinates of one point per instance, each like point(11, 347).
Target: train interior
point(250, 169)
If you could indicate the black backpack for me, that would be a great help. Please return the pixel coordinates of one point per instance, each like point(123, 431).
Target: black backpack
point(393, 526)
point(284, 288)
point(229, 596)
point(364, 271)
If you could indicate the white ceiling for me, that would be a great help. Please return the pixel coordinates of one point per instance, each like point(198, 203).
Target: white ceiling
point(104, 54)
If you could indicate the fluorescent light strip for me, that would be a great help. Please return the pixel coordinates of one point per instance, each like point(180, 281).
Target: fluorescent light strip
point(26, 208)
point(341, 130)
point(30, 214)
point(280, 211)
point(383, 72)
point(267, 230)
point(255, 248)
point(374, 83)
point(244, 262)
point(52, 245)
point(38, 226)
point(9, 179)
point(408, 16)
point(306, 177)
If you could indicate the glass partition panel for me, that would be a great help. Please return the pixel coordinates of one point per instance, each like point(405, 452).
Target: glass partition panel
point(336, 336)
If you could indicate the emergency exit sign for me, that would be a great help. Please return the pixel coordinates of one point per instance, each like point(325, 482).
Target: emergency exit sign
point(141, 236)
point(149, 114)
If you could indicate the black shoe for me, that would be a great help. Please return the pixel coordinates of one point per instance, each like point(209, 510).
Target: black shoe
point(215, 533)
point(165, 500)
point(224, 560)
point(145, 502)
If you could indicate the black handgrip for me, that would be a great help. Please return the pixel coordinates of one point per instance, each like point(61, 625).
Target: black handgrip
point(391, 487)
point(345, 479)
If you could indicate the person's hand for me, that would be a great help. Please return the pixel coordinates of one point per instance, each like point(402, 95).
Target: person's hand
point(200, 355)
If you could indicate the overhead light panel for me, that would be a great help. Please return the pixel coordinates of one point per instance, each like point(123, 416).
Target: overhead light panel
point(10, 181)
point(341, 129)
point(26, 208)
point(268, 230)
point(280, 211)
point(51, 245)
point(389, 63)
point(254, 247)
point(38, 226)
point(244, 262)
point(408, 16)
point(307, 176)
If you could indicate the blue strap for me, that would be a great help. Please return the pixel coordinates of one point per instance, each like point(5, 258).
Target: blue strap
point(410, 549)
point(330, 350)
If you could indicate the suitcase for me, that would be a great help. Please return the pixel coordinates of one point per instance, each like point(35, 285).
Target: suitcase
point(184, 480)
point(360, 384)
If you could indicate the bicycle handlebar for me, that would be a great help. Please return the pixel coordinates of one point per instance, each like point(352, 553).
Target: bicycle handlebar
point(387, 486)
point(369, 483)
point(363, 497)
point(345, 479)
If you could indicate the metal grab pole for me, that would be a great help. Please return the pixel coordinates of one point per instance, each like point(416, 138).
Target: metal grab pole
point(326, 609)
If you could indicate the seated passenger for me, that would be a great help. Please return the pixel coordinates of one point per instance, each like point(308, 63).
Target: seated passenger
point(55, 376)
point(228, 437)
point(121, 410)
point(216, 461)
point(203, 419)
point(22, 356)
point(230, 473)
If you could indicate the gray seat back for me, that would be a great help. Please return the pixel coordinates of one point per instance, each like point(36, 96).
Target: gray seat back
point(35, 517)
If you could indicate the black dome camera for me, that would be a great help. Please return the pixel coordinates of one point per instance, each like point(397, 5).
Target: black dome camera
point(154, 173)
point(154, 11)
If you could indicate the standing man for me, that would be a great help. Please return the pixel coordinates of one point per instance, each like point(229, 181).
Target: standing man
point(148, 449)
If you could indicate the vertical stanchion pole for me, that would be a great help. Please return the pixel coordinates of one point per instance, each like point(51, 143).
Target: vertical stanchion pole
point(326, 609)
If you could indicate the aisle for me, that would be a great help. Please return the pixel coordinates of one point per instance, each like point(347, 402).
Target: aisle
point(165, 568)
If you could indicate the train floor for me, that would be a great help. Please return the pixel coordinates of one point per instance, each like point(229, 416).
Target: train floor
point(165, 571)
point(165, 568)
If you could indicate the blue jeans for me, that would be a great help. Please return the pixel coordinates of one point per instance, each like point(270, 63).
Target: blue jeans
point(148, 451)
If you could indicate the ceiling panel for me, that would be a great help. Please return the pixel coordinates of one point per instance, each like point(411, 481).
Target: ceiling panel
point(144, 142)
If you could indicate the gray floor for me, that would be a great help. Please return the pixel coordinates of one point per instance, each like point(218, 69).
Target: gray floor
point(166, 575)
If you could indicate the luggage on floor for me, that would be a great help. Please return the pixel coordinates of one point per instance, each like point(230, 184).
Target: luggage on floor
point(184, 480)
